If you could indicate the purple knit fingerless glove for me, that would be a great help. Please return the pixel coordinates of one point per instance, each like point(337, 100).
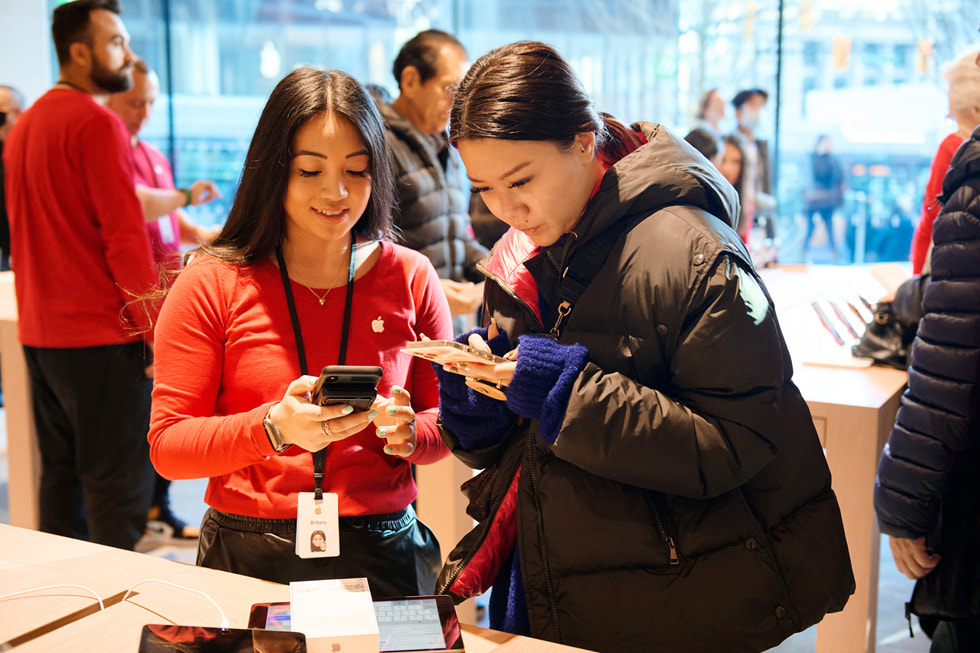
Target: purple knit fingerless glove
point(543, 381)
point(476, 420)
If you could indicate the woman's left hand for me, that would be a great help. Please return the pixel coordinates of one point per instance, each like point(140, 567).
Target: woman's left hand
point(396, 422)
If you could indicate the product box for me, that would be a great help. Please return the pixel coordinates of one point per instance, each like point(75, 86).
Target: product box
point(337, 616)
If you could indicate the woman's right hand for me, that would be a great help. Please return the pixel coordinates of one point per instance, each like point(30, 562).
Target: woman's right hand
point(312, 427)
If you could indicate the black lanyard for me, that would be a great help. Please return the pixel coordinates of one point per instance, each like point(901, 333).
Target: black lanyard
point(319, 457)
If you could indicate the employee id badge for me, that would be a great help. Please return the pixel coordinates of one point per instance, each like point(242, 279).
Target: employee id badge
point(317, 526)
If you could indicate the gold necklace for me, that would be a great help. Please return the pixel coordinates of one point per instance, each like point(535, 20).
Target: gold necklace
point(323, 299)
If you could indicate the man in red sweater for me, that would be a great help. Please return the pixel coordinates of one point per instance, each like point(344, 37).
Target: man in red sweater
point(82, 262)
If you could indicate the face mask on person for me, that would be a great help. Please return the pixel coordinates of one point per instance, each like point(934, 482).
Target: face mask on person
point(749, 119)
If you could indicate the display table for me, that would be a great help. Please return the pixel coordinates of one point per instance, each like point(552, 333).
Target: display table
point(23, 460)
point(68, 618)
point(853, 409)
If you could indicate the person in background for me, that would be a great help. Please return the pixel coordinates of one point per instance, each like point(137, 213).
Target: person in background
point(11, 105)
point(826, 195)
point(702, 141)
point(964, 105)
point(732, 159)
point(167, 225)
point(711, 111)
point(432, 213)
point(755, 191)
point(81, 261)
point(300, 277)
point(927, 493)
point(631, 463)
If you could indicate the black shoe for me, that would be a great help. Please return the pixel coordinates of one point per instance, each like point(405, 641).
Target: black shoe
point(161, 521)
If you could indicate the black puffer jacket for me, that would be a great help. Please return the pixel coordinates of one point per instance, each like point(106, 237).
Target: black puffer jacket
point(929, 475)
point(432, 214)
point(684, 436)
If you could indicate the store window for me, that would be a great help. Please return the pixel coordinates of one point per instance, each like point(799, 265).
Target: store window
point(867, 74)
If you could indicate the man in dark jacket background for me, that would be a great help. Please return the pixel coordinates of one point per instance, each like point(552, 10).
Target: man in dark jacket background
point(433, 205)
point(927, 495)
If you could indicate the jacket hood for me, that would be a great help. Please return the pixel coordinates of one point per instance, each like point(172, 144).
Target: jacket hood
point(965, 164)
point(663, 172)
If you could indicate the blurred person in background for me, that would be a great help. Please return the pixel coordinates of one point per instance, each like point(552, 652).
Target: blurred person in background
point(963, 78)
point(432, 213)
point(11, 105)
point(826, 194)
point(168, 227)
point(704, 142)
point(755, 192)
point(732, 159)
point(711, 111)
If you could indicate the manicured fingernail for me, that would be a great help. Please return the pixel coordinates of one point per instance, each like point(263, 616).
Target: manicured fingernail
point(382, 432)
point(396, 390)
point(372, 414)
point(347, 410)
point(387, 449)
point(392, 410)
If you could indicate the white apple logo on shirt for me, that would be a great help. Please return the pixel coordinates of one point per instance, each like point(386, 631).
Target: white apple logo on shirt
point(378, 325)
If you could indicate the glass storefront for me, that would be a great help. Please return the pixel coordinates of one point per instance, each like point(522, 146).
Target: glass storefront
point(866, 74)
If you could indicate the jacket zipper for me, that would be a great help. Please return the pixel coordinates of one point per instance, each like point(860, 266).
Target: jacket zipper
point(549, 584)
point(513, 295)
point(663, 529)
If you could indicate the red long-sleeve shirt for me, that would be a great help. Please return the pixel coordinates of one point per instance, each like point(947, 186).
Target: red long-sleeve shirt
point(922, 236)
point(79, 249)
point(226, 352)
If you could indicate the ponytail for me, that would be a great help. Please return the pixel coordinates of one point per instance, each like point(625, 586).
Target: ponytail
point(617, 141)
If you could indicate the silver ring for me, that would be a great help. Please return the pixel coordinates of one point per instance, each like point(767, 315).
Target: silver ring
point(325, 427)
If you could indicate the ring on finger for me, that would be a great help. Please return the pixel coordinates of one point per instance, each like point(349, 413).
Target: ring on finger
point(325, 427)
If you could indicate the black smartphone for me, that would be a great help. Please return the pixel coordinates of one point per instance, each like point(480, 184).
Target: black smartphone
point(167, 638)
point(356, 385)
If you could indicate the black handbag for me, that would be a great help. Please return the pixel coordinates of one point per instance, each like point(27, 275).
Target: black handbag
point(887, 339)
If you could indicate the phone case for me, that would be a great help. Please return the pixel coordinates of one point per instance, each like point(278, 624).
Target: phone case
point(347, 384)
point(451, 353)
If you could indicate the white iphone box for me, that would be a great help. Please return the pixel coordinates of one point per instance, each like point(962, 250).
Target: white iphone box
point(335, 615)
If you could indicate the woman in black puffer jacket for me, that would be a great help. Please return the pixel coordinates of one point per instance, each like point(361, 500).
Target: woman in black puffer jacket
point(653, 481)
point(927, 495)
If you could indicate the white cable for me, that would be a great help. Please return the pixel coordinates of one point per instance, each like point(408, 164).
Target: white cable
point(224, 619)
point(49, 587)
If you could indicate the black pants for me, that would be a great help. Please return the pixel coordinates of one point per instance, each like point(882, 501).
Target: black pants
point(397, 553)
point(92, 413)
point(826, 216)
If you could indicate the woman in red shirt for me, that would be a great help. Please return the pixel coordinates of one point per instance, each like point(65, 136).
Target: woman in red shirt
point(303, 276)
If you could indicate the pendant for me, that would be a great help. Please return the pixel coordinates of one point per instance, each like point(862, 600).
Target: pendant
point(321, 300)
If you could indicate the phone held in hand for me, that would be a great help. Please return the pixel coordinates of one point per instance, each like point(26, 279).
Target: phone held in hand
point(456, 357)
point(356, 385)
point(452, 355)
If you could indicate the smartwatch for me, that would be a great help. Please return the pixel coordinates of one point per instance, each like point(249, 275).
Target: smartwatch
point(272, 431)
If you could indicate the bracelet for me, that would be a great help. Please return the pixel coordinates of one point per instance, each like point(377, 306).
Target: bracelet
point(187, 195)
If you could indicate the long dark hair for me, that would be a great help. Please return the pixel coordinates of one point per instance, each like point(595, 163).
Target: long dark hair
point(256, 221)
point(526, 91)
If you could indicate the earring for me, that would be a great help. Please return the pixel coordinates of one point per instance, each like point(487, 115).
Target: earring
point(583, 150)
